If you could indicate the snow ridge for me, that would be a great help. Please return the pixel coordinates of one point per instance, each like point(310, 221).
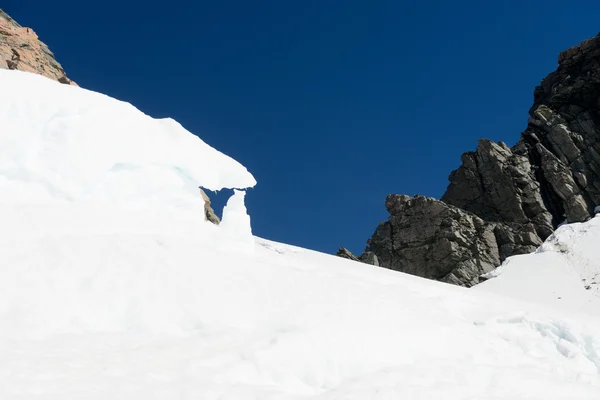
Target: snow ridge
point(61, 143)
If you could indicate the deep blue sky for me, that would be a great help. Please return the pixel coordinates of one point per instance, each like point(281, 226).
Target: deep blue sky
point(330, 104)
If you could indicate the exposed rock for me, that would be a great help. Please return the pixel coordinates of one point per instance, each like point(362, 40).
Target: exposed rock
point(368, 257)
point(12, 65)
point(429, 238)
point(209, 213)
point(20, 49)
point(345, 253)
point(504, 201)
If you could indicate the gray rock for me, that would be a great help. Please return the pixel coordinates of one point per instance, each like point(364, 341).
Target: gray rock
point(345, 253)
point(504, 201)
point(209, 213)
point(368, 257)
point(429, 238)
point(561, 180)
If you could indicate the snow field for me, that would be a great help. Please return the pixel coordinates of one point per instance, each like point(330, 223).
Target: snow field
point(112, 285)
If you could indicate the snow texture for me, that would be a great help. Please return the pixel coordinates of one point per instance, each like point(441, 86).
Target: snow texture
point(563, 273)
point(105, 296)
point(236, 222)
point(59, 142)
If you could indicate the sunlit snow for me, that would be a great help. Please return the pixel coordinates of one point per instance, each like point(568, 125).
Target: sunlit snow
point(113, 286)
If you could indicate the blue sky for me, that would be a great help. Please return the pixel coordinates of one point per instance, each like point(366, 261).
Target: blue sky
point(332, 105)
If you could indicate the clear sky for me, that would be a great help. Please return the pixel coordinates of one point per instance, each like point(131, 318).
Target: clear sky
point(331, 105)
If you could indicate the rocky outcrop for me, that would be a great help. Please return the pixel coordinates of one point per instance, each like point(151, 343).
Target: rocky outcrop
point(209, 213)
point(431, 239)
point(368, 257)
point(347, 254)
point(20, 49)
point(504, 201)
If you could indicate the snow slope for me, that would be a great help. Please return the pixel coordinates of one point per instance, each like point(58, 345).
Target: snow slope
point(107, 295)
point(564, 273)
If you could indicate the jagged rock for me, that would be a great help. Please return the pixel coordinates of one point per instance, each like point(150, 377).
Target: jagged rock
point(20, 49)
point(429, 238)
point(209, 213)
point(368, 257)
point(504, 201)
point(499, 184)
point(561, 180)
point(345, 253)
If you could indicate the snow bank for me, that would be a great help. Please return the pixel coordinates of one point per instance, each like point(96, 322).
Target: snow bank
point(59, 142)
point(564, 273)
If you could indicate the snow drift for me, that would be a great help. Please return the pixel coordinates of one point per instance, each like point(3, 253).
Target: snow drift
point(112, 285)
point(59, 142)
point(563, 273)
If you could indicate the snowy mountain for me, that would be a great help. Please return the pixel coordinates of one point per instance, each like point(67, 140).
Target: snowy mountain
point(113, 285)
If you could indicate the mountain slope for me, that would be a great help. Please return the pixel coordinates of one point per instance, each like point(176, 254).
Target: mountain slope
point(113, 284)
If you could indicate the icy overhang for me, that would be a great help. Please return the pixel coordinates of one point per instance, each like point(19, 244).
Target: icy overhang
point(63, 143)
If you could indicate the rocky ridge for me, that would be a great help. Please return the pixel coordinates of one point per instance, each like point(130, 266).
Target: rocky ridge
point(21, 49)
point(502, 200)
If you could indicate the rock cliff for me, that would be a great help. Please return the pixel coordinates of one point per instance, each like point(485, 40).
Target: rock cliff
point(20, 49)
point(504, 201)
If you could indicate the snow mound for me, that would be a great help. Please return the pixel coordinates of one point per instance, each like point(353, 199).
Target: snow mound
point(64, 143)
point(564, 273)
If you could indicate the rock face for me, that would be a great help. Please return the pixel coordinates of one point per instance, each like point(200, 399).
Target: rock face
point(504, 201)
point(429, 238)
point(20, 49)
